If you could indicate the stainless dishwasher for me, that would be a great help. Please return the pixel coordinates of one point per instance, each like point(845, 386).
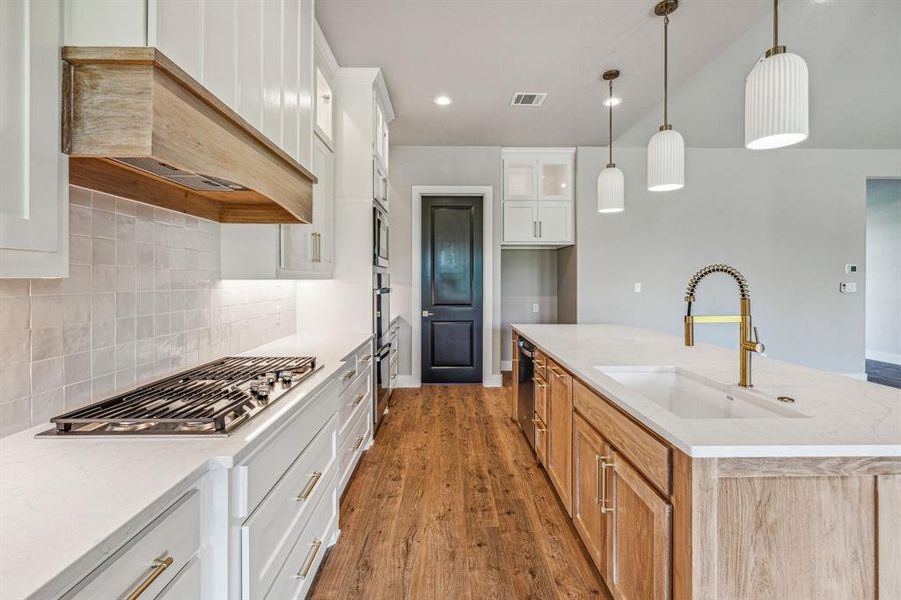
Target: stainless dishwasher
point(525, 409)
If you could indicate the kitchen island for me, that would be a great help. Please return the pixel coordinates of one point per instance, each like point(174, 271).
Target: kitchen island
point(77, 516)
point(683, 485)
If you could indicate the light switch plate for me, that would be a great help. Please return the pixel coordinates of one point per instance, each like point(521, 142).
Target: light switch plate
point(847, 287)
point(637, 288)
point(534, 308)
point(850, 268)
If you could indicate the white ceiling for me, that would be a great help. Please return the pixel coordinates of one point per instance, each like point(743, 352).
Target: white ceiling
point(480, 52)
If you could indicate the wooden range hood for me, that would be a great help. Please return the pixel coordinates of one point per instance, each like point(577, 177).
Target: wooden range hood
point(135, 125)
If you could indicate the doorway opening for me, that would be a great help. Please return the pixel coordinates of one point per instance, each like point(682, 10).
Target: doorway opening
point(883, 281)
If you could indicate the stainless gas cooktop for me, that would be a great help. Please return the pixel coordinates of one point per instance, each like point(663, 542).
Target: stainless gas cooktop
point(212, 399)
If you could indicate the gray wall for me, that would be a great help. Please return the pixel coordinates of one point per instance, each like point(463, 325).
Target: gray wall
point(883, 274)
point(789, 220)
point(567, 283)
point(528, 277)
point(436, 165)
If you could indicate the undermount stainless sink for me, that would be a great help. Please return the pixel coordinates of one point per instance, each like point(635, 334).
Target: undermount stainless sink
point(691, 396)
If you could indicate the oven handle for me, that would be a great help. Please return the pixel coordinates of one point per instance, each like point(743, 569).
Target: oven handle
point(384, 351)
point(384, 290)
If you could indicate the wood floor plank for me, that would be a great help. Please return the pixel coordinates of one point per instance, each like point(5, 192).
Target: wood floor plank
point(450, 503)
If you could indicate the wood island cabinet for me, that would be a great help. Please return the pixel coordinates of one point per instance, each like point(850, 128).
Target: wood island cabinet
point(560, 414)
point(590, 506)
point(660, 524)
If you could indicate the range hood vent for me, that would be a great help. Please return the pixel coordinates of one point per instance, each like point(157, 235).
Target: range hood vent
point(136, 125)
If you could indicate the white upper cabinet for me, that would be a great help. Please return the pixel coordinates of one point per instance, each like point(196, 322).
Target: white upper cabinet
point(520, 177)
point(538, 205)
point(33, 170)
point(254, 55)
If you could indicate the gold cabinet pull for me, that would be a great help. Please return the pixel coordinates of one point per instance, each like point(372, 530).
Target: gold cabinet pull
point(311, 485)
point(349, 374)
point(308, 563)
point(359, 443)
point(357, 400)
point(366, 359)
point(159, 565)
point(557, 372)
point(538, 424)
point(604, 466)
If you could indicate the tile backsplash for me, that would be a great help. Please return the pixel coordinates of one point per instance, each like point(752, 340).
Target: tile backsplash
point(143, 299)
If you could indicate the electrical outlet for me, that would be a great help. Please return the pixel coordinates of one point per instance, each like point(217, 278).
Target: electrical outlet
point(637, 288)
point(278, 315)
point(534, 308)
point(847, 287)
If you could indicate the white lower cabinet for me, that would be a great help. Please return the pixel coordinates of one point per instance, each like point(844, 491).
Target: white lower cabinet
point(303, 562)
point(187, 584)
point(152, 559)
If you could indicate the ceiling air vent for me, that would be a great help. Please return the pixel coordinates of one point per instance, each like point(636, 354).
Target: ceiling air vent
point(528, 99)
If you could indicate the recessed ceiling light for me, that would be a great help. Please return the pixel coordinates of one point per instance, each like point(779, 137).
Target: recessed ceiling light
point(442, 100)
point(614, 101)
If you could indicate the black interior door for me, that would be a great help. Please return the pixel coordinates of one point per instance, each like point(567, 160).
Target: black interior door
point(451, 289)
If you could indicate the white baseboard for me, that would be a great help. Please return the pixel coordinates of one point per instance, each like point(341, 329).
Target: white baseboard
point(506, 365)
point(889, 357)
point(406, 381)
point(492, 381)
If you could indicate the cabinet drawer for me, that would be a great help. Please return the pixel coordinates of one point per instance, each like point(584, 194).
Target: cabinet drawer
point(350, 400)
point(267, 464)
point(648, 454)
point(540, 364)
point(299, 570)
point(540, 387)
point(353, 446)
point(541, 441)
point(187, 584)
point(267, 535)
point(152, 557)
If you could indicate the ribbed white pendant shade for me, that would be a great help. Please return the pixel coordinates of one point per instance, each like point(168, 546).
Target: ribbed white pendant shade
point(776, 102)
point(666, 161)
point(611, 190)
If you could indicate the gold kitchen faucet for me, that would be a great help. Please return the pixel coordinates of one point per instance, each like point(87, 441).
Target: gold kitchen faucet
point(746, 344)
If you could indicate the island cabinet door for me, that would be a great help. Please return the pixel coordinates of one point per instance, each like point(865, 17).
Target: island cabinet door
point(638, 539)
point(590, 455)
point(560, 444)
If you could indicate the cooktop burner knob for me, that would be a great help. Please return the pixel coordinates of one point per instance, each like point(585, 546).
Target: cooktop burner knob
point(263, 392)
point(271, 378)
point(286, 376)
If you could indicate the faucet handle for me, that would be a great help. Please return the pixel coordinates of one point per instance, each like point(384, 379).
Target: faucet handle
point(758, 347)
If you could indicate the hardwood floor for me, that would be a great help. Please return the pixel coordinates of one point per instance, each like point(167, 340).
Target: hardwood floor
point(450, 503)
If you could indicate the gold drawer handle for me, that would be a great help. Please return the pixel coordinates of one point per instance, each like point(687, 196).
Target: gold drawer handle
point(358, 399)
point(539, 382)
point(349, 374)
point(359, 443)
point(366, 358)
point(557, 372)
point(159, 565)
point(311, 485)
point(308, 563)
point(538, 425)
point(604, 466)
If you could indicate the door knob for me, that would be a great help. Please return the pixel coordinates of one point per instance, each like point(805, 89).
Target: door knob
point(426, 313)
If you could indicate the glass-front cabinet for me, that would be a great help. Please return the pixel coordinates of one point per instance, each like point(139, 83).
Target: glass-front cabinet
point(538, 197)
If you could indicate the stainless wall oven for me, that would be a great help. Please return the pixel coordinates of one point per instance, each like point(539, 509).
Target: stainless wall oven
point(381, 310)
point(379, 237)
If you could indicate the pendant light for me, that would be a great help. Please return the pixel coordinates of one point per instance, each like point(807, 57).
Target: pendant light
point(611, 184)
point(776, 97)
point(666, 150)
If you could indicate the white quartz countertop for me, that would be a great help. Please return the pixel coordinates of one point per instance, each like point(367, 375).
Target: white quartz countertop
point(843, 416)
point(65, 504)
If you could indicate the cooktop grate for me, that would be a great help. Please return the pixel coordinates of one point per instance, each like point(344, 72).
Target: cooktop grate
point(212, 398)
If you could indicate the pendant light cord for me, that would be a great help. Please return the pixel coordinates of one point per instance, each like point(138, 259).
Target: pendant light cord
point(610, 122)
point(775, 23)
point(665, 69)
